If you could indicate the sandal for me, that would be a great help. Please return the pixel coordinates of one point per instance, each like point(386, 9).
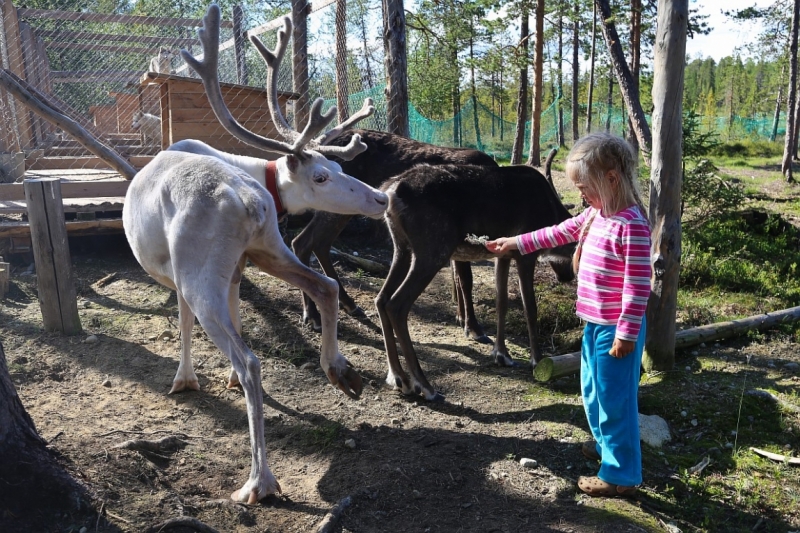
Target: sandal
point(589, 450)
point(594, 486)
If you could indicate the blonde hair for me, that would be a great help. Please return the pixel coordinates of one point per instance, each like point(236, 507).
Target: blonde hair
point(591, 160)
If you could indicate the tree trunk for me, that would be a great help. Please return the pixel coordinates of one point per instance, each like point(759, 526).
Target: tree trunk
point(33, 486)
point(576, 73)
point(479, 144)
point(394, 38)
point(786, 165)
point(590, 101)
point(778, 103)
point(609, 100)
point(365, 44)
point(522, 93)
point(624, 77)
point(560, 70)
point(636, 37)
point(534, 155)
point(665, 182)
point(300, 62)
point(342, 107)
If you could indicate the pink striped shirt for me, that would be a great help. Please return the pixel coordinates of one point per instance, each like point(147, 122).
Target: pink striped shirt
point(614, 273)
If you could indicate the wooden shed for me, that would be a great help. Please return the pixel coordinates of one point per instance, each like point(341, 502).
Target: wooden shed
point(186, 112)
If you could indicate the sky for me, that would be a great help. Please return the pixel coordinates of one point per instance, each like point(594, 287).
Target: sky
point(725, 35)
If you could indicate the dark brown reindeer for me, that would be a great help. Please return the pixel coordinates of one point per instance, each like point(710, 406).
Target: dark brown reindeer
point(432, 209)
point(194, 215)
point(387, 155)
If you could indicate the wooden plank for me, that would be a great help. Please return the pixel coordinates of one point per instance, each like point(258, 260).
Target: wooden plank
point(195, 85)
point(248, 116)
point(75, 228)
point(233, 99)
point(65, 36)
point(81, 16)
point(86, 76)
point(55, 163)
point(55, 284)
point(57, 45)
point(71, 205)
point(11, 192)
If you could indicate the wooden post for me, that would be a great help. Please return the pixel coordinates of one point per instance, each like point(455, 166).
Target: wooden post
point(342, 108)
point(57, 296)
point(239, 44)
point(300, 80)
point(13, 60)
point(394, 44)
point(5, 276)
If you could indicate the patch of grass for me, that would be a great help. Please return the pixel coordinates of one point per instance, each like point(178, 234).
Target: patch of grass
point(732, 256)
point(322, 436)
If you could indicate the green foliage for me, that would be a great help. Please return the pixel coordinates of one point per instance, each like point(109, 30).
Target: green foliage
point(733, 255)
point(705, 193)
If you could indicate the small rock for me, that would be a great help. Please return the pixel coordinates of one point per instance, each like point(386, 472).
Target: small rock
point(791, 367)
point(166, 335)
point(107, 383)
point(219, 432)
point(91, 339)
point(654, 430)
point(695, 354)
point(84, 529)
point(417, 494)
point(152, 337)
point(350, 443)
point(528, 463)
point(395, 422)
point(729, 445)
point(688, 369)
point(694, 422)
point(308, 366)
point(787, 446)
point(684, 414)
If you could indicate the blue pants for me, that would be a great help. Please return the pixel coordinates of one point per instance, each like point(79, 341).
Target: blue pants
point(610, 387)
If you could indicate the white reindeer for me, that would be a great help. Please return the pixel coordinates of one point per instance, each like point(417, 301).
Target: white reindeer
point(194, 215)
point(162, 63)
point(148, 126)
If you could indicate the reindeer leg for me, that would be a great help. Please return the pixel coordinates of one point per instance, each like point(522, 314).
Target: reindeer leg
point(500, 352)
point(233, 310)
point(317, 237)
point(284, 265)
point(222, 331)
point(472, 328)
point(398, 307)
point(525, 270)
point(185, 377)
point(396, 377)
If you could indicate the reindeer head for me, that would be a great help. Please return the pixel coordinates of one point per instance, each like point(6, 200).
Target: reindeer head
point(304, 153)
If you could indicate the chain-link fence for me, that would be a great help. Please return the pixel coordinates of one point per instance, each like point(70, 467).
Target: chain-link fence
point(121, 79)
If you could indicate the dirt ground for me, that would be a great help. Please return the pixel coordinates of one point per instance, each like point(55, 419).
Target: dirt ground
point(406, 465)
point(415, 466)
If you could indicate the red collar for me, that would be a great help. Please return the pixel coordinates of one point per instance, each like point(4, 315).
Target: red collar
point(272, 187)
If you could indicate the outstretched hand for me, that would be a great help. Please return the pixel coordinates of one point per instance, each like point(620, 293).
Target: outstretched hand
point(502, 245)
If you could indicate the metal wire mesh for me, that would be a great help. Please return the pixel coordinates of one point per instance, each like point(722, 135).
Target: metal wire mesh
point(122, 79)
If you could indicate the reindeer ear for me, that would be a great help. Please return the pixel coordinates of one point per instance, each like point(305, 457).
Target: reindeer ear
point(292, 162)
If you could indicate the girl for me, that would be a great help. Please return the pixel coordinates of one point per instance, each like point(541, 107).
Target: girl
point(612, 260)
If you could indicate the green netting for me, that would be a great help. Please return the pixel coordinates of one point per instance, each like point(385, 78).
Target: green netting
point(479, 127)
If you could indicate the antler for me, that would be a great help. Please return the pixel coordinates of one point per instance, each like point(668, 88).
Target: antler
point(207, 70)
point(296, 141)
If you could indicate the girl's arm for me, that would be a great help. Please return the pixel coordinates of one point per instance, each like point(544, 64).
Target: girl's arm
point(636, 278)
point(564, 233)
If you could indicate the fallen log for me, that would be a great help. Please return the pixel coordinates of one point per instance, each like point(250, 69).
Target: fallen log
point(563, 365)
point(368, 265)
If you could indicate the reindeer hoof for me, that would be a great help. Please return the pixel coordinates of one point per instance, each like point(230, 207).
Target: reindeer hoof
point(181, 385)
point(478, 337)
point(437, 397)
point(349, 383)
point(357, 312)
